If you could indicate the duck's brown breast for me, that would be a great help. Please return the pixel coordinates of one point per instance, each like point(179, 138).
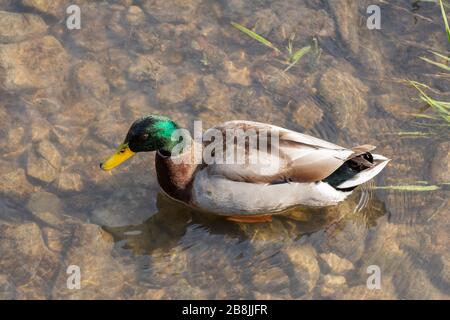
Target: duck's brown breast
point(175, 178)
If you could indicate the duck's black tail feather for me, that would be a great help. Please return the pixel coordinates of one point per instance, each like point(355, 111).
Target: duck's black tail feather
point(349, 170)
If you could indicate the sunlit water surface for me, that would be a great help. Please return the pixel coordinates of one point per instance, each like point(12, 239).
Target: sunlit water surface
point(81, 89)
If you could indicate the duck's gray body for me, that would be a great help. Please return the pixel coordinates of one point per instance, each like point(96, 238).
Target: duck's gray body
point(293, 175)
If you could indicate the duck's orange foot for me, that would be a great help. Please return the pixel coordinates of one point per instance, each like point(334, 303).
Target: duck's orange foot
point(251, 218)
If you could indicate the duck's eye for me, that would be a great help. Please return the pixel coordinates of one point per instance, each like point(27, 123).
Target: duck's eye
point(143, 137)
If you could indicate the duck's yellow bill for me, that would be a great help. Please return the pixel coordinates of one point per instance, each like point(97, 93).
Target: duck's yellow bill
point(122, 154)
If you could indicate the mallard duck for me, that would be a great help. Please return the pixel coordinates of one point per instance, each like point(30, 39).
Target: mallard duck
point(294, 169)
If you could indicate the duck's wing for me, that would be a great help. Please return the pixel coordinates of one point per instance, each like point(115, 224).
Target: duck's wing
point(288, 156)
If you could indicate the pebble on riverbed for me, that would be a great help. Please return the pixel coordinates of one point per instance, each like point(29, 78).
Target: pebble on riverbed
point(347, 96)
point(103, 276)
point(176, 89)
point(31, 265)
point(271, 280)
point(218, 93)
point(33, 64)
point(171, 11)
point(347, 17)
point(69, 181)
point(44, 162)
point(361, 292)
point(135, 15)
point(305, 267)
point(14, 182)
point(331, 285)
point(110, 212)
point(55, 8)
point(15, 27)
point(307, 113)
point(91, 80)
point(236, 75)
point(7, 288)
point(440, 166)
point(46, 207)
point(335, 264)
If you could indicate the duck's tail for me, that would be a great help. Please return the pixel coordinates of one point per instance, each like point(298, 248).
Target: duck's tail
point(358, 169)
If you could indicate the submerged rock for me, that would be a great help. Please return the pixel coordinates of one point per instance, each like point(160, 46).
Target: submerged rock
point(55, 8)
point(331, 285)
point(236, 75)
point(218, 94)
point(361, 292)
point(56, 239)
point(125, 206)
point(177, 89)
point(305, 268)
point(7, 289)
point(135, 15)
point(14, 181)
point(347, 18)
point(45, 103)
point(33, 64)
point(12, 133)
point(96, 18)
point(385, 250)
point(302, 21)
point(92, 81)
point(69, 181)
point(145, 68)
point(39, 127)
point(44, 162)
point(135, 105)
point(170, 267)
point(30, 265)
point(171, 11)
point(444, 274)
point(271, 280)
point(440, 166)
point(102, 276)
point(413, 283)
point(308, 114)
point(348, 243)
point(46, 207)
point(395, 105)
point(68, 139)
point(147, 41)
point(15, 27)
point(183, 290)
point(336, 264)
point(346, 94)
point(275, 80)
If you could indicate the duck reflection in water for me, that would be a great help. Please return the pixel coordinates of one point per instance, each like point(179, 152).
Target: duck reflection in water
point(165, 228)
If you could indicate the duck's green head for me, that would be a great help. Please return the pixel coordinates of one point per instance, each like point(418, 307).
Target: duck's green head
point(149, 133)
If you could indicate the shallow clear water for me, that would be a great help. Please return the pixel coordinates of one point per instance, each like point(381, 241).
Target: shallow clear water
point(67, 98)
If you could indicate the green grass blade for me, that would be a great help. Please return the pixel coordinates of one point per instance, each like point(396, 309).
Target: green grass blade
point(440, 55)
point(297, 56)
point(300, 53)
point(434, 104)
point(412, 133)
point(409, 188)
point(444, 104)
point(440, 106)
point(440, 65)
point(426, 116)
point(254, 36)
point(444, 16)
point(436, 2)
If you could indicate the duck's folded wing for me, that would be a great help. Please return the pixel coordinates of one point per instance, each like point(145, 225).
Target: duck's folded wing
point(289, 157)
